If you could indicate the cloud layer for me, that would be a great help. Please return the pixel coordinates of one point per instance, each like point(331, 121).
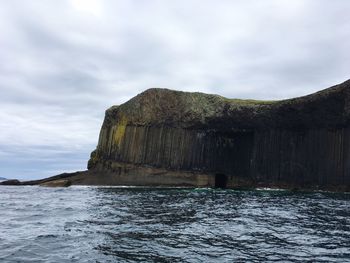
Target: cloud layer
point(64, 62)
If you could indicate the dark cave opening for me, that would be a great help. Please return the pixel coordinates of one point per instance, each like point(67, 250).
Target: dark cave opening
point(220, 181)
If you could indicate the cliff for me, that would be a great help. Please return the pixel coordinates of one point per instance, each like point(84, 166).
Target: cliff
point(164, 137)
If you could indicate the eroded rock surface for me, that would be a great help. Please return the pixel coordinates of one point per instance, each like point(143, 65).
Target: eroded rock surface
point(301, 142)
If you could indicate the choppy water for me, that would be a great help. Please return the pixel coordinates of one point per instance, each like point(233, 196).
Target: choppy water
point(90, 224)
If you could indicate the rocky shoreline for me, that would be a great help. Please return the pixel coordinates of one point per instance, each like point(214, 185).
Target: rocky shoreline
point(87, 178)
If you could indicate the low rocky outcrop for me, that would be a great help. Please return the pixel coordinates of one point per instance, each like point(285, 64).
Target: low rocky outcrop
point(63, 180)
point(57, 183)
point(164, 137)
point(10, 182)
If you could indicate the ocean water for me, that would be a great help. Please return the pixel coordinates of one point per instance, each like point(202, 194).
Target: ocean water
point(95, 224)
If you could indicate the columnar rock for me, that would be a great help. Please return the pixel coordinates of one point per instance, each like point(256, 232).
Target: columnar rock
point(166, 137)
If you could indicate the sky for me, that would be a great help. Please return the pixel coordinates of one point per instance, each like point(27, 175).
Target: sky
point(64, 62)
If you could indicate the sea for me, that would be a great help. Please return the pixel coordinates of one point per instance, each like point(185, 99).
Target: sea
point(132, 224)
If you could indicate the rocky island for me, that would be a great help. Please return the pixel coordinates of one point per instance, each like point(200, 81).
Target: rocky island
point(164, 137)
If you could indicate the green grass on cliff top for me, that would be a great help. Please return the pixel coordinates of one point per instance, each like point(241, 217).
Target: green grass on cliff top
point(251, 102)
point(199, 96)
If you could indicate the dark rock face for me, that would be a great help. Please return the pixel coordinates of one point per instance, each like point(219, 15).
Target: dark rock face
point(302, 142)
point(10, 182)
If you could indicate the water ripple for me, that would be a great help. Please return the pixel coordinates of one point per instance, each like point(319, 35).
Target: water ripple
point(92, 224)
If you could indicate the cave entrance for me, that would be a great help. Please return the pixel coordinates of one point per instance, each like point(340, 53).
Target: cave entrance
point(220, 181)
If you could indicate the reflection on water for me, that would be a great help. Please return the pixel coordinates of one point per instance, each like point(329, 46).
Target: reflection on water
point(89, 224)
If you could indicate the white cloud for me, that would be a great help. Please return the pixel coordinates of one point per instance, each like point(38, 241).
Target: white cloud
point(93, 7)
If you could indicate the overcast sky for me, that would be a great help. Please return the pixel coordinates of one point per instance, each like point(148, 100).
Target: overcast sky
point(64, 62)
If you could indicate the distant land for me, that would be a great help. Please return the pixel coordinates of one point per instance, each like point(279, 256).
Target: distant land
point(3, 179)
point(172, 138)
